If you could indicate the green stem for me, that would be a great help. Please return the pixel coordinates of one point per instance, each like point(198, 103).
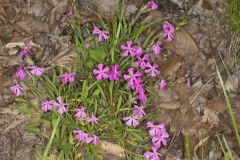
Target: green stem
point(187, 141)
point(51, 139)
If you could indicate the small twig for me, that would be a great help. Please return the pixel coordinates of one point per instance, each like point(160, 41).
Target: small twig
point(200, 91)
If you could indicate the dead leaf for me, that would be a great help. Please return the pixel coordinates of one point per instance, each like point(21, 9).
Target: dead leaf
point(110, 148)
point(171, 66)
point(218, 104)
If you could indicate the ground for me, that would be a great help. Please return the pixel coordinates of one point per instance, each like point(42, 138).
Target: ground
point(203, 39)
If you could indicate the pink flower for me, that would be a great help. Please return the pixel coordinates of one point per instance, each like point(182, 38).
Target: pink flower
point(138, 86)
point(95, 140)
point(142, 62)
point(37, 71)
point(152, 69)
point(93, 119)
point(163, 84)
point(155, 129)
point(115, 74)
point(132, 77)
point(139, 111)
point(80, 113)
point(153, 5)
point(101, 73)
point(102, 35)
point(47, 105)
point(69, 13)
point(154, 155)
point(17, 89)
point(160, 138)
point(25, 51)
point(21, 73)
point(61, 106)
point(131, 121)
point(156, 48)
point(168, 31)
point(67, 77)
point(82, 136)
point(130, 49)
point(142, 96)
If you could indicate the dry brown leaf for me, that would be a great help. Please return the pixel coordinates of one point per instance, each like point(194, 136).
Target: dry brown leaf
point(171, 66)
point(210, 117)
point(110, 148)
point(218, 104)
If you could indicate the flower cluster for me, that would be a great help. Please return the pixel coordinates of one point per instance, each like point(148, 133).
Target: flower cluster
point(84, 137)
point(112, 74)
point(80, 113)
point(159, 138)
point(49, 105)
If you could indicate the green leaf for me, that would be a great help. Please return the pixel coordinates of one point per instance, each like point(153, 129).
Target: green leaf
point(98, 55)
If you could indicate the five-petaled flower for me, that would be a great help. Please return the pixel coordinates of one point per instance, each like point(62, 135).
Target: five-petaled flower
point(47, 105)
point(157, 48)
point(129, 48)
point(101, 72)
point(132, 76)
point(17, 89)
point(67, 77)
point(152, 69)
point(21, 73)
point(80, 112)
point(139, 111)
point(37, 71)
point(153, 5)
point(102, 35)
point(154, 155)
point(131, 121)
point(115, 73)
point(92, 119)
point(142, 61)
point(61, 106)
point(168, 31)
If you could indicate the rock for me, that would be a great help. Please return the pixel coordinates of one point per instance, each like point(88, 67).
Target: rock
point(107, 8)
point(130, 9)
point(232, 84)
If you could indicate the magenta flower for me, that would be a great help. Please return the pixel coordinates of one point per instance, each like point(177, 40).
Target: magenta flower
point(139, 111)
point(155, 129)
point(95, 140)
point(37, 71)
point(93, 119)
point(138, 86)
point(130, 49)
point(80, 113)
point(115, 74)
point(67, 77)
point(160, 138)
point(153, 5)
point(152, 69)
point(17, 89)
point(154, 155)
point(21, 73)
point(47, 105)
point(69, 13)
point(156, 48)
point(142, 96)
point(102, 35)
point(168, 31)
point(142, 62)
point(132, 77)
point(25, 51)
point(163, 84)
point(131, 121)
point(82, 136)
point(101, 73)
point(61, 106)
